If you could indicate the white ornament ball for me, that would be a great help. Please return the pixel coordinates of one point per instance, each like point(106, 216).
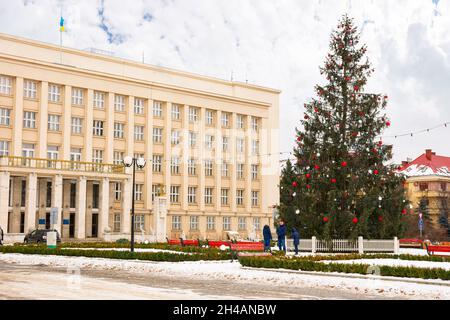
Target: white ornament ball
point(223, 247)
point(370, 171)
point(294, 194)
point(146, 241)
point(297, 211)
point(380, 198)
point(318, 154)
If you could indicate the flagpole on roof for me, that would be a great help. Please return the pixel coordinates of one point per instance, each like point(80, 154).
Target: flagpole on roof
point(61, 29)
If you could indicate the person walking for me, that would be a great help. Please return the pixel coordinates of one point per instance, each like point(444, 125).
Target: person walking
point(1, 236)
point(296, 239)
point(267, 234)
point(281, 233)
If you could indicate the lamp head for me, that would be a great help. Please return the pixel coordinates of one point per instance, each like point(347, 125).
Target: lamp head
point(128, 161)
point(140, 162)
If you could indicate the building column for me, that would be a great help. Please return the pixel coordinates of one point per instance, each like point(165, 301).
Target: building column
point(167, 151)
point(130, 127)
point(233, 162)
point(104, 207)
point(43, 120)
point(57, 193)
point(67, 116)
point(218, 161)
point(248, 165)
point(4, 199)
point(80, 215)
point(185, 159)
point(18, 118)
point(201, 159)
point(125, 223)
point(149, 156)
point(31, 196)
point(88, 122)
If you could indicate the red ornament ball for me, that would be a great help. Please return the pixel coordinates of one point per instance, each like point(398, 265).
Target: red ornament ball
point(388, 123)
point(404, 211)
point(355, 220)
point(299, 138)
point(308, 186)
point(306, 117)
point(325, 219)
point(333, 180)
point(356, 88)
point(375, 171)
point(344, 163)
point(308, 176)
point(294, 184)
point(380, 218)
point(316, 167)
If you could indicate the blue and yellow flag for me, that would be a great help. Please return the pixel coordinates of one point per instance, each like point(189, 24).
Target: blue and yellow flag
point(61, 24)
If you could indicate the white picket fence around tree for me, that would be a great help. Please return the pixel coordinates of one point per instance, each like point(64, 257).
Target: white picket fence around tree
point(359, 245)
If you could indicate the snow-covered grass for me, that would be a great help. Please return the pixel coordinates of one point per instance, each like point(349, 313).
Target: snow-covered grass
point(232, 271)
point(396, 263)
point(127, 249)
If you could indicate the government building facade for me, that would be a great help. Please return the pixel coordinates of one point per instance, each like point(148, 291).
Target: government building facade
point(69, 117)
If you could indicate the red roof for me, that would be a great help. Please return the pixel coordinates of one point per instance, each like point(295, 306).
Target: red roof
point(428, 160)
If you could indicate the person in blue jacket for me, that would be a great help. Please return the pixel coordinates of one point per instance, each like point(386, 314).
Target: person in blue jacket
point(267, 234)
point(281, 233)
point(296, 239)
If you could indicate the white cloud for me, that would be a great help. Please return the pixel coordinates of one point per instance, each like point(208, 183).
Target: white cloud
point(274, 43)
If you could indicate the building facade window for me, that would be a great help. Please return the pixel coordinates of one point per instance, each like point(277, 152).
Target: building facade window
point(117, 191)
point(138, 187)
point(77, 96)
point(242, 223)
point(209, 141)
point(224, 196)
point(225, 119)
point(137, 156)
point(175, 165)
point(5, 116)
point(138, 106)
point(53, 122)
point(240, 121)
point(75, 154)
point(174, 194)
point(4, 148)
point(157, 135)
point(52, 153)
point(224, 143)
point(118, 157)
point(255, 168)
point(76, 125)
point(156, 190)
point(240, 197)
point(239, 145)
point(157, 109)
point(5, 85)
point(255, 198)
point(210, 223)
point(30, 89)
point(97, 155)
point(209, 195)
point(209, 117)
point(193, 114)
point(119, 103)
point(119, 130)
point(256, 223)
point(192, 139)
point(29, 119)
point(175, 137)
point(176, 222)
point(99, 99)
point(192, 194)
point(193, 222)
point(192, 167)
point(240, 171)
point(208, 168)
point(139, 133)
point(54, 93)
point(254, 122)
point(157, 163)
point(117, 222)
point(224, 169)
point(28, 150)
point(139, 222)
point(255, 147)
point(98, 127)
point(176, 114)
point(226, 223)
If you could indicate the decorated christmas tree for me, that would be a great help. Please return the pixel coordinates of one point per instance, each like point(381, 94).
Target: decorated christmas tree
point(343, 186)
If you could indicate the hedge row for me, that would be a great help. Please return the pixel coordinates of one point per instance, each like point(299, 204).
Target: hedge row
point(112, 254)
point(356, 256)
point(311, 265)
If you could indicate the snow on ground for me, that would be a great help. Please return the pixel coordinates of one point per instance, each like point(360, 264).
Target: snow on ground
point(397, 263)
point(128, 249)
point(233, 271)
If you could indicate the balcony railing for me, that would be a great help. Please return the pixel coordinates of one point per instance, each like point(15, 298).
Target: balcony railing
point(54, 164)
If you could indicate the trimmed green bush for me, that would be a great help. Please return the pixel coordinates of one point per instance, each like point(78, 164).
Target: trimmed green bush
point(112, 254)
point(315, 265)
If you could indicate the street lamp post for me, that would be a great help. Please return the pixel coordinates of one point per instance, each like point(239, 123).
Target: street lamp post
point(140, 163)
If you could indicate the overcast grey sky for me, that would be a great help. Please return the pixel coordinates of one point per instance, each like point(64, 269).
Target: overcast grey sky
point(278, 44)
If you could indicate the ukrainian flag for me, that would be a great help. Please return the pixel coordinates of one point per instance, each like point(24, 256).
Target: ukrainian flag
point(61, 24)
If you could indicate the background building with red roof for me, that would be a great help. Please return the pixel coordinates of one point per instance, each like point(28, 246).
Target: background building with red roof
point(428, 186)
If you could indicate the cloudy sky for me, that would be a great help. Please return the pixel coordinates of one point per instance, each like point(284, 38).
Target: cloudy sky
point(278, 44)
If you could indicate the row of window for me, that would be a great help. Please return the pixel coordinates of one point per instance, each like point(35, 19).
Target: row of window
point(98, 129)
point(78, 99)
point(211, 223)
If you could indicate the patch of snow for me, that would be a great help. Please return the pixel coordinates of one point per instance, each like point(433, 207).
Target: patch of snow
point(232, 271)
point(127, 249)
